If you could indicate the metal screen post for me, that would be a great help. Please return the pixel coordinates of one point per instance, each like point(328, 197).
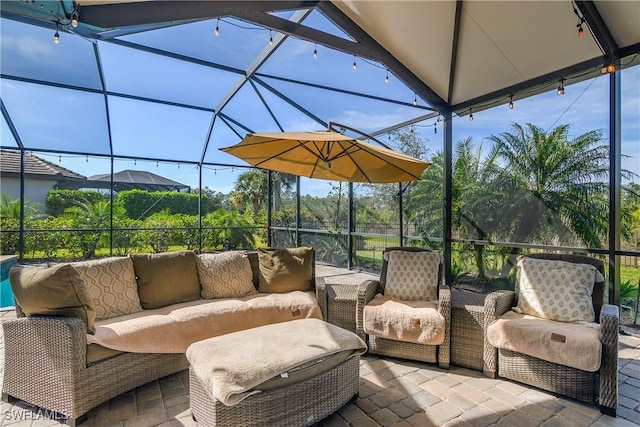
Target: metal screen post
point(615, 156)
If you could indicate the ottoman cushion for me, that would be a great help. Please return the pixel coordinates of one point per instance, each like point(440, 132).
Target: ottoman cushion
point(231, 366)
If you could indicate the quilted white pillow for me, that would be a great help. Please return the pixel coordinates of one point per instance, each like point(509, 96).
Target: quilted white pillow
point(556, 290)
point(225, 275)
point(112, 285)
point(412, 276)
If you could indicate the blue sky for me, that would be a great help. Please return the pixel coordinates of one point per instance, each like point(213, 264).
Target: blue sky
point(62, 119)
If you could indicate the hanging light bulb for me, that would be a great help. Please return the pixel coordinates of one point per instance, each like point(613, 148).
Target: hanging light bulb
point(580, 31)
point(386, 79)
point(315, 51)
point(74, 17)
point(56, 36)
point(470, 115)
point(608, 68)
point(86, 159)
point(270, 38)
point(435, 127)
point(561, 87)
point(354, 63)
point(217, 30)
point(415, 100)
point(511, 102)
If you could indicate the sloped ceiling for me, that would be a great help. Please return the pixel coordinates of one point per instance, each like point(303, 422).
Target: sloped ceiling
point(488, 50)
point(456, 55)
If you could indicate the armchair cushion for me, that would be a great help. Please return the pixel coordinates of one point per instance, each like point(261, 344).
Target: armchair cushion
point(408, 321)
point(569, 344)
point(556, 290)
point(225, 275)
point(412, 276)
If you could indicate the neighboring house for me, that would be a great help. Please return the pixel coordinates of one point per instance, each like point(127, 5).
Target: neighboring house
point(130, 179)
point(40, 176)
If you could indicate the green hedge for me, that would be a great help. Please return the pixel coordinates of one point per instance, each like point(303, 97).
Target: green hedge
point(59, 200)
point(139, 204)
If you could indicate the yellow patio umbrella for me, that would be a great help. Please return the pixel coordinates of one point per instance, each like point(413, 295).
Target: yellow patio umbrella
point(326, 155)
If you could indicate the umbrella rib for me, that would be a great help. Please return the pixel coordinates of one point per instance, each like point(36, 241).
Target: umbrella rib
point(346, 153)
point(275, 155)
point(391, 163)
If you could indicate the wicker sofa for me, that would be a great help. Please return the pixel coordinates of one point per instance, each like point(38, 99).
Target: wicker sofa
point(50, 364)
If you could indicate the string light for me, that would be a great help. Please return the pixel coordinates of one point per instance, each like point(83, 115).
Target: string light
point(59, 159)
point(511, 102)
point(581, 21)
point(354, 63)
point(608, 68)
point(74, 16)
point(315, 51)
point(157, 163)
point(270, 38)
point(386, 79)
point(86, 160)
point(561, 87)
point(415, 100)
point(56, 36)
point(217, 30)
point(470, 115)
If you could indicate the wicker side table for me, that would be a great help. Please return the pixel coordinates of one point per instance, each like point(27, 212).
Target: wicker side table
point(341, 305)
point(467, 330)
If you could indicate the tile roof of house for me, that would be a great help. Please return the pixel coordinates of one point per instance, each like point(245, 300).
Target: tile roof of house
point(34, 166)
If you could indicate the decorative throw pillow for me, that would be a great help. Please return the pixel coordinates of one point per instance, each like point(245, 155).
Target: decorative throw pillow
point(412, 276)
point(166, 278)
point(112, 286)
point(285, 270)
point(225, 275)
point(556, 290)
point(53, 291)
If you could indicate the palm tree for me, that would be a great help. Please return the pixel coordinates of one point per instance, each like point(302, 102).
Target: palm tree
point(474, 192)
point(556, 188)
point(250, 189)
point(94, 216)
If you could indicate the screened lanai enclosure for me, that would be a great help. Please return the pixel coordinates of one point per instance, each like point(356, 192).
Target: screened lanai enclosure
point(527, 111)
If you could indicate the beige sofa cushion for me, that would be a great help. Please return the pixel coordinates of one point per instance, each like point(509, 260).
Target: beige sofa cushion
point(53, 291)
point(172, 329)
point(112, 285)
point(285, 269)
point(166, 278)
point(570, 344)
point(225, 275)
point(556, 290)
point(412, 276)
point(409, 321)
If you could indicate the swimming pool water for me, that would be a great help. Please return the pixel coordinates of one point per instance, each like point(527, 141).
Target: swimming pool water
point(6, 297)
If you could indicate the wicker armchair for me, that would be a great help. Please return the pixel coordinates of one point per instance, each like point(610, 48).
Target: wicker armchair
point(599, 387)
point(407, 350)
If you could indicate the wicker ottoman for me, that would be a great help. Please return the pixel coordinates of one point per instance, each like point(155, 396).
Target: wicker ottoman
point(304, 398)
